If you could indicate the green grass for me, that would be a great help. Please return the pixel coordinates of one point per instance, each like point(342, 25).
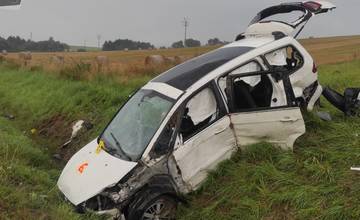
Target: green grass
point(28, 174)
point(313, 182)
point(28, 180)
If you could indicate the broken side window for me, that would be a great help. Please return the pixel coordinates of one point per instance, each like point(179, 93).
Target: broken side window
point(166, 139)
point(250, 80)
point(286, 59)
point(250, 88)
point(200, 111)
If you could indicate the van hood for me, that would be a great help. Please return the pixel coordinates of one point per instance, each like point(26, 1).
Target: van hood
point(89, 172)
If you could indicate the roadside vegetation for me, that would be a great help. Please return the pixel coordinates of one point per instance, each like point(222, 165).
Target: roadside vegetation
point(314, 181)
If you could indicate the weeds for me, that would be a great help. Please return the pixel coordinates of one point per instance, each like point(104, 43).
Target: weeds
point(313, 182)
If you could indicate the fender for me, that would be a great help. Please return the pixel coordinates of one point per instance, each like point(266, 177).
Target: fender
point(157, 185)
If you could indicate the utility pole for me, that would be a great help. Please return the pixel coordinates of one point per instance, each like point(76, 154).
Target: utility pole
point(31, 36)
point(186, 25)
point(99, 40)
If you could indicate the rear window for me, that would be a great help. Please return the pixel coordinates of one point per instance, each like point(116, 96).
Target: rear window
point(186, 74)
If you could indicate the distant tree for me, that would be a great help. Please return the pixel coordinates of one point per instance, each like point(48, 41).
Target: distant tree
point(214, 41)
point(126, 44)
point(81, 50)
point(192, 43)
point(178, 44)
point(15, 44)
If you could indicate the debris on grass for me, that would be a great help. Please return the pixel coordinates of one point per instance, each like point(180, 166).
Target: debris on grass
point(349, 103)
point(9, 116)
point(325, 116)
point(33, 131)
point(355, 168)
point(78, 126)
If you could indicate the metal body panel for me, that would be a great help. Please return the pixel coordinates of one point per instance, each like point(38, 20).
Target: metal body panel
point(200, 154)
point(164, 89)
point(278, 126)
point(89, 172)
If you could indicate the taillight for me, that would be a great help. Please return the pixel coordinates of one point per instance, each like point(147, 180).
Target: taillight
point(312, 6)
point(314, 68)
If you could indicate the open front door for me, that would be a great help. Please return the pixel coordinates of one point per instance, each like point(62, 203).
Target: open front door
point(263, 108)
point(206, 137)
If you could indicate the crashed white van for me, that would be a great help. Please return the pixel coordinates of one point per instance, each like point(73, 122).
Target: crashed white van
point(164, 140)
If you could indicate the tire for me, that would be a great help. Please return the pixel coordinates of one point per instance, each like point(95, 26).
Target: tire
point(153, 207)
point(335, 98)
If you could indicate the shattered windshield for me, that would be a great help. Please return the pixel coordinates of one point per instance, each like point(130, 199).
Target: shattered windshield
point(132, 128)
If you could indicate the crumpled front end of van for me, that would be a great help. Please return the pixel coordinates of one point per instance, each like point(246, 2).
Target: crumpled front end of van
point(90, 176)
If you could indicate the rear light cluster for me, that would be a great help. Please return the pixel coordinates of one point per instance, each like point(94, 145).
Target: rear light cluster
point(312, 6)
point(314, 68)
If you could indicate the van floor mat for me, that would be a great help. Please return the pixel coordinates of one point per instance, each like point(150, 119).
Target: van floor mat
point(335, 98)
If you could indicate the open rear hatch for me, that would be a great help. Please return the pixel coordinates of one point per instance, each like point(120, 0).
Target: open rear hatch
point(264, 23)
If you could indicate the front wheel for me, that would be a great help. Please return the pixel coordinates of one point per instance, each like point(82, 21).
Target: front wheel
point(162, 207)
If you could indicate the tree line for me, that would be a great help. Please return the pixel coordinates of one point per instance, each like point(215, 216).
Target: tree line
point(16, 44)
point(126, 44)
point(196, 43)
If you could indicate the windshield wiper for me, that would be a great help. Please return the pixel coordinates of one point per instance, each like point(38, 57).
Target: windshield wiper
point(119, 147)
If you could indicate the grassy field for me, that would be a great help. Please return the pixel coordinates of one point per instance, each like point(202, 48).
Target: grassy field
point(340, 49)
point(313, 182)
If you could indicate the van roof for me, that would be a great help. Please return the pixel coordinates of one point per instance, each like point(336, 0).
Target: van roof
point(185, 75)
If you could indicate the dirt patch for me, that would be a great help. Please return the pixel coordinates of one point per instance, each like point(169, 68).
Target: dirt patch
point(57, 128)
point(56, 131)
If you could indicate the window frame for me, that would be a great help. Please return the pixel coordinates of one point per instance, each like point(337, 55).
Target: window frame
point(222, 112)
point(290, 97)
point(225, 75)
point(290, 72)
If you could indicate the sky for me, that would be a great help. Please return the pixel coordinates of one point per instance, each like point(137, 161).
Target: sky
point(78, 22)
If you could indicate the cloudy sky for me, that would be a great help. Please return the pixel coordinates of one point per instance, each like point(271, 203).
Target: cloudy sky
point(156, 21)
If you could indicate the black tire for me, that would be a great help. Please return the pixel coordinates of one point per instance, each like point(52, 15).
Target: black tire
point(335, 98)
point(149, 206)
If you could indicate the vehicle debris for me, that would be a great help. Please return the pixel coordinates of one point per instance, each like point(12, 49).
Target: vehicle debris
point(76, 128)
point(33, 131)
point(325, 116)
point(349, 103)
point(165, 139)
point(9, 116)
point(57, 157)
point(355, 168)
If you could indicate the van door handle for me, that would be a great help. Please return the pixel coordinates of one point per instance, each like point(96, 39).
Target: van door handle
point(289, 119)
point(219, 131)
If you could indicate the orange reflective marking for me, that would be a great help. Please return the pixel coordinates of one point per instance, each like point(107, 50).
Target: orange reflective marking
point(82, 167)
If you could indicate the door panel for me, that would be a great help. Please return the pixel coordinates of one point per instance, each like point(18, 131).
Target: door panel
point(278, 126)
point(205, 151)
